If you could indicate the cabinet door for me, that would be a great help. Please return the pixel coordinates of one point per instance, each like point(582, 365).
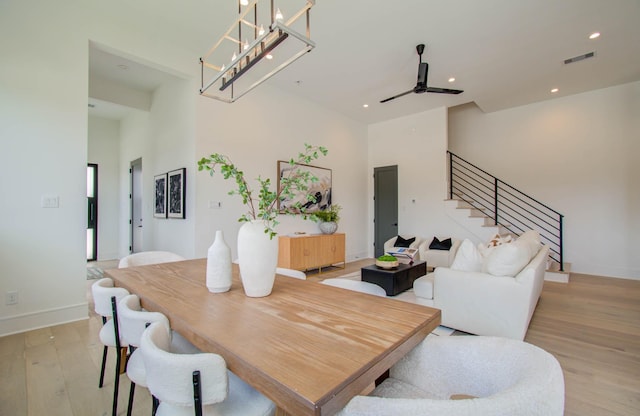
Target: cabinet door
point(332, 249)
point(311, 252)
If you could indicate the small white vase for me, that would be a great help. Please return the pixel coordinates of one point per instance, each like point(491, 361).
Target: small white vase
point(257, 258)
point(219, 265)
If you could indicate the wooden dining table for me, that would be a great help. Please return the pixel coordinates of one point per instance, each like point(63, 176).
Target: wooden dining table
point(309, 347)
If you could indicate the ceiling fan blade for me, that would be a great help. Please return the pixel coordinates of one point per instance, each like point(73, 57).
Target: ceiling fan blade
point(396, 96)
point(443, 90)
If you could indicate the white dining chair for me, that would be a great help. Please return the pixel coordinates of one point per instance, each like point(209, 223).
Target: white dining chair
point(356, 285)
point(291, 273)
point(492, 376)
point(187, 384)
point(144, 258)
point(133, 321)
point(105, 299)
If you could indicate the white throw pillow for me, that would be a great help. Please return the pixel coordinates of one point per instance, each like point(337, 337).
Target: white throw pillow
point(508, 259)
point(531, 239)
point(468, 258)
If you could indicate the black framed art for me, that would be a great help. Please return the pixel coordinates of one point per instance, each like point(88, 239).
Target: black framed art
point(160, 196)
point(177, 193)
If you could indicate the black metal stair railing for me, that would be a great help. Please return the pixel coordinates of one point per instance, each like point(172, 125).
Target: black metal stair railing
point(508, 207)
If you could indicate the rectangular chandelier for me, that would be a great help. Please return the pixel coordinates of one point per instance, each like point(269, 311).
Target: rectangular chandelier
point(263, 40)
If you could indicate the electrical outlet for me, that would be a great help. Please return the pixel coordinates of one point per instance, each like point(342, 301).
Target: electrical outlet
point(11, 298)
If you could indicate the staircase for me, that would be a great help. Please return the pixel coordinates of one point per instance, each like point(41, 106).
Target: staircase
point(486, 206)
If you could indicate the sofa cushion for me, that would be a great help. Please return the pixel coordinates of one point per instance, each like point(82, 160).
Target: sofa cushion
point(401, 242)
point(531, 239)
point(468, 258)
point(507, 259)
point(440, 245)
point(423, 286)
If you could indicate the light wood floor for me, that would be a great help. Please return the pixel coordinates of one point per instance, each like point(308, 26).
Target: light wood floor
point(591, 325)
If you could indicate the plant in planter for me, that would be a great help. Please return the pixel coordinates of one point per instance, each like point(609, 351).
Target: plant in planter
point(257, 249)
point(387, 261)
point(328, 219)
point(264, 205)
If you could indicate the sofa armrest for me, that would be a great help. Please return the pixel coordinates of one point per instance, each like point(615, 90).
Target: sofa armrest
point(482, 304)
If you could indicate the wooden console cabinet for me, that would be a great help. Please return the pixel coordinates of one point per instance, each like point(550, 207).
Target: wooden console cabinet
point(313, 251)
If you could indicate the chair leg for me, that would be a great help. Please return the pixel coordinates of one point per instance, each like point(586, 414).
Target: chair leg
point(104, 364)
point(116, 385)
point(154, 405)
point(132, 390)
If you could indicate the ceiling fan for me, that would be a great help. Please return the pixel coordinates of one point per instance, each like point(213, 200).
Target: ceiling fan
point(421, 86)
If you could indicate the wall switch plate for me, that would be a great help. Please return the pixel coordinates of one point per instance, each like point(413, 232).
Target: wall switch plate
point(11, 297)
point(50, 201)
point(215, 204)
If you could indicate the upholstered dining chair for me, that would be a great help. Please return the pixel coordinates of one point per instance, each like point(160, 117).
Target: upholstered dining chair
point(356, 285)
point(133, 321)
point(144, 258)
point(291, 273)
point(105, 299)
point(200, 384)
point(487, 375)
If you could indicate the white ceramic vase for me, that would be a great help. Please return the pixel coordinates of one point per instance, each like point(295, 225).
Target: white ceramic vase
point(258, 258)
point(328, 227)
point(219, 265)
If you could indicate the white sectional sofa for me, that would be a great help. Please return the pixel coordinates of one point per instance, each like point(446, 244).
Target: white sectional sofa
point(487, 302)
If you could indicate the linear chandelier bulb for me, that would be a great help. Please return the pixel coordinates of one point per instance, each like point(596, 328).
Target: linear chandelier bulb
point(246, 45)
point(233, 57)
point(244, 2)
point(269, 56)
point(279, 15)
point(261, 30)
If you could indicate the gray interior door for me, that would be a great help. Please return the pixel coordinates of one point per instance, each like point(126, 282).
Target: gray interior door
point(136, 207)
point(385, 205)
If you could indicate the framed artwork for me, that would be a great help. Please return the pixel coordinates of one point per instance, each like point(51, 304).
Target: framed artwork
point(320, 189)
point(160, 196)
point(177, 188)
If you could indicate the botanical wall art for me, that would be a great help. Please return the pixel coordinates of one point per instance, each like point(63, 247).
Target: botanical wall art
point(319, 189)
point(160, 196)
point(177, 189)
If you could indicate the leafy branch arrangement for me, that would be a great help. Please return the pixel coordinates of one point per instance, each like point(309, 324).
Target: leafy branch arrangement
point(264, 206)
point(330, 215)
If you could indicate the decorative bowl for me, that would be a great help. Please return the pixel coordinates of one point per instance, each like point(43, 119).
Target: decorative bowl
point(386, 264)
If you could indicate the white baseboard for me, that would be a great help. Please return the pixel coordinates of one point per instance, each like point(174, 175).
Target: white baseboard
point(560, 277)
point(42, 319)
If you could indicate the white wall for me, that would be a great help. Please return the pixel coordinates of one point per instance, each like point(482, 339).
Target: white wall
point(257, 131)
point(104, 150)
point(43, 128)
point(418, 145)
point(578, 154)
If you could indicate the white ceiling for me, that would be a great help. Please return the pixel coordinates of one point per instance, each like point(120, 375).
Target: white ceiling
point(503, 53)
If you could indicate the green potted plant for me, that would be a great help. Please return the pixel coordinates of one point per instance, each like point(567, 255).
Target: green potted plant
point(257, 249)
point(387, 261)
point(328, 219)
point(264, 205)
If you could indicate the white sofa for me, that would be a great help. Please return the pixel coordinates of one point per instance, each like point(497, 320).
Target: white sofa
point(483, 303)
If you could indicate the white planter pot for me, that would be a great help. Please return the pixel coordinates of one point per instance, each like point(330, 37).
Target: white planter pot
point(219, 265)
point(328, 227)
point(258, 258)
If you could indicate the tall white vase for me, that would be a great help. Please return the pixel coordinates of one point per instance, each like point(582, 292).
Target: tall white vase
point(219, 265)
point(258, 258)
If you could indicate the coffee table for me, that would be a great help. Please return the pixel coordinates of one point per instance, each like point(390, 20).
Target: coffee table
point(395, 280)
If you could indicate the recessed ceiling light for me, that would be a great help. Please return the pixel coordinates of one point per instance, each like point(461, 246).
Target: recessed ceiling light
point(123, 67)
point(594, 35)
point(554, 90)
point(365, 105)
point(452, 79)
